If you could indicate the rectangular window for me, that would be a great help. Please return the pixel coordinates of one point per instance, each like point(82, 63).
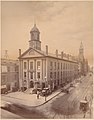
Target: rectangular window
point(58, 66)
point(31, 65)
point(55, 65)
point(38, 75)
point(51, 75)
point(4, 68)
point(58, 75)
point(61, 75)
point(8, 68)
point(24, 65)
point(61, 66)
point(51, 65)
point(54, 75)
point(16, 68)
point(31, 75)
point(24, 74)
point(38, 65)
point(15, 77)
point(3, 80)
point(64, 66)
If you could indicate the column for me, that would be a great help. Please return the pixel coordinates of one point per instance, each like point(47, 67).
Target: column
point(42, 72)
point(22, 73)
point(46, 71)
point(35, 70)
point(28, 82)
point(20, 80)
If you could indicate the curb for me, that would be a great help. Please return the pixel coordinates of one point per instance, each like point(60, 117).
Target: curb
point(47, 100)
point(22, 105)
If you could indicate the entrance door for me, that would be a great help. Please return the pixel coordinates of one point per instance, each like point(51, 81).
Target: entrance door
point(43, 85)
point(31, 84)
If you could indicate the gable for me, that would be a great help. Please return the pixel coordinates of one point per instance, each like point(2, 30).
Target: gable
point(32, 53)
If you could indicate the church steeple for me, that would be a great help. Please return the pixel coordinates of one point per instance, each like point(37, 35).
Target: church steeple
point(81, 52)
point(35, 38)
point(35, 33)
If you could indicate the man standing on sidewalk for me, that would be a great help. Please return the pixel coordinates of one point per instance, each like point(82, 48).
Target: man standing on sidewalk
point(38, 94)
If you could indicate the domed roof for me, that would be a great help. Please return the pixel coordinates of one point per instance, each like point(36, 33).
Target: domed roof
point(34, 29)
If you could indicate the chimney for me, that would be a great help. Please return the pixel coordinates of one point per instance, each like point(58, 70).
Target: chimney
point(62, 55)
point(19, 52)
point(56, 53)
point(47, 49)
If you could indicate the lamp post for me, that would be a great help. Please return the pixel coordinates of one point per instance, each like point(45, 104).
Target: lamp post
point(45, 87)
point(51, 85)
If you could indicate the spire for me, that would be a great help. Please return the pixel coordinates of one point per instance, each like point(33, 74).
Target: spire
point(34, 24)
point(35, 29)
point(34, 21)
point(6, 54)
point(81, 52)
point(81, 45)
point(35, 38)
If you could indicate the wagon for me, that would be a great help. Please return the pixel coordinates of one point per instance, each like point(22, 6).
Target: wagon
point(84, 105)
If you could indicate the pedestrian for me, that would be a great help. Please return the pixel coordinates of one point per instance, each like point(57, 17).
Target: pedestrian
point(85, 98)
point(38, 94)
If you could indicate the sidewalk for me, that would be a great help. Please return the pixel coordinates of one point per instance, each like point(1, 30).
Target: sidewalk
point(29, 100)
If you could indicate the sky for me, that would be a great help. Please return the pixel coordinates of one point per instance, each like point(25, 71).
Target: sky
point(62, 25)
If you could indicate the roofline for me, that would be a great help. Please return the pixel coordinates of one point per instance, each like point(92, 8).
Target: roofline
point(28, 50)
point(62, 59)
point(49, 57)
point(35, 40)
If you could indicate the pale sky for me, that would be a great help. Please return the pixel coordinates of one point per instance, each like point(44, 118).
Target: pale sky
point(62, 25)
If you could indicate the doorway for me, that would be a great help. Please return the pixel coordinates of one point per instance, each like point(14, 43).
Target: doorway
point(31, 84)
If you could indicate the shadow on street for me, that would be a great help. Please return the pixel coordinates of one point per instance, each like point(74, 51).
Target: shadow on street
point(25, 113)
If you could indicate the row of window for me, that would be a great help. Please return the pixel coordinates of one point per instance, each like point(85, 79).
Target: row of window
point(63, 74)
point(10, 69)
point(63, 66)
point(52, 75)
point(32, 75)
point(32, 65)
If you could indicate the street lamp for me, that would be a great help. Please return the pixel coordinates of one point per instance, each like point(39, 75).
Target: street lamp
point(45, 87)
point(51, 85)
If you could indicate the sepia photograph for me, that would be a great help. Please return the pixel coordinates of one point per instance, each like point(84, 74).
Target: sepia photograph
point(46, 60)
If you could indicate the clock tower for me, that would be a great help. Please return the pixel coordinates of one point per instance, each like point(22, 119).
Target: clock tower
point(35, 38)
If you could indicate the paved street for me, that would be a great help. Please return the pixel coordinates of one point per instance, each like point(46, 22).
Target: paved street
point(67, 105)
point(8, 115)
point(62, 106)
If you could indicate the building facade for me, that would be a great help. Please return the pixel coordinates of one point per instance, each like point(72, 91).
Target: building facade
point(9, 74)
point(83, 63)
point(39, 68)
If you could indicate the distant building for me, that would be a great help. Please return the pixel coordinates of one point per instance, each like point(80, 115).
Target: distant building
point(83, 63)
point(39, 68)
point(86, 66)
point(9, 74)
